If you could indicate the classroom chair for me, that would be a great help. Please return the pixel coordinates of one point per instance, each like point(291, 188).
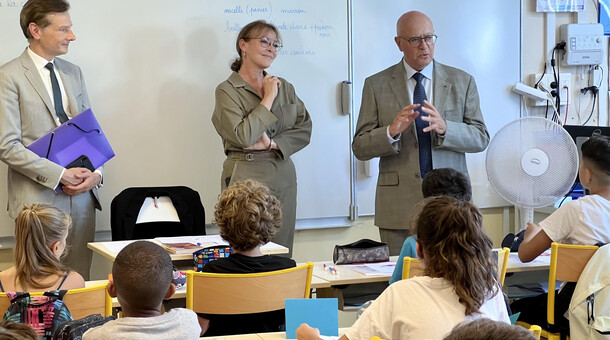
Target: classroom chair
point(81, 301)
point(503, 255)
point(567, 263)
point(125, 207)
point(412, 267)
point(536, 330)
point(376, 338)
point(212, 293)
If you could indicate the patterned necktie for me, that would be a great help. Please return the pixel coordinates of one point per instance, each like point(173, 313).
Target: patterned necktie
point(425, 144)
point(59, 106)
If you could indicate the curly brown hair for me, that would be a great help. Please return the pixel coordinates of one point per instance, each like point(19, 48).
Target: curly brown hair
point(455, 247)
point(248, 215)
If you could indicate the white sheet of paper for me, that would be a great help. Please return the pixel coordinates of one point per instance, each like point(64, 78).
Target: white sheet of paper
point(163, 211)
point(117, 246)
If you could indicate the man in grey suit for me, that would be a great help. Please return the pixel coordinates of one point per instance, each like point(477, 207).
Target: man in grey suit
point(37, 92)
point(415, 123)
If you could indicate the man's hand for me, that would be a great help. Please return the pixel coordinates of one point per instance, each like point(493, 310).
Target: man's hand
point(437, 123)
point(403, 119)
point(88, 180)
point(305, 332)
point(71, 176)
point(262, 143)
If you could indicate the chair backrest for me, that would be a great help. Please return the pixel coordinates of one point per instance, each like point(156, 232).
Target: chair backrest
point(567, 263)
point(412, 267)
point(81, 302)
point(212, 293)
point(503, 255)
point(125, 207)
point(536, 330)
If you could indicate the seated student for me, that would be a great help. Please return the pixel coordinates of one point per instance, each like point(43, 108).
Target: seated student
point(248, 216)
point(10, 330)
point(585, 221)
point(40, 241)
point(459, 283)
point(438, 182)
point(484, 329)
point(141, 279)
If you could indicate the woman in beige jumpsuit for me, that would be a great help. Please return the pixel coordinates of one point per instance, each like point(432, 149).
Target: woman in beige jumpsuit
point(262, 122)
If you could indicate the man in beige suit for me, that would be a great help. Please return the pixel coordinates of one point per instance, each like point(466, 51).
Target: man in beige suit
point(37, 92)
point(451, 120)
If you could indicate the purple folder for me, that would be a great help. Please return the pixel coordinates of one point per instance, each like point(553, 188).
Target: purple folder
point(81, 135)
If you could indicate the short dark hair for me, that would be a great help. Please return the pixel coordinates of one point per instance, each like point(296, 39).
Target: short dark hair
point(484, 328)
point(248, 215)
point(447, 182)
point(142, 273)
point(36, 11)
point(596, 152)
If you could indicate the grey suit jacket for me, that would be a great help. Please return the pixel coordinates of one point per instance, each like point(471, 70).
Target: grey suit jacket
point(399, 183)
point(27, 113)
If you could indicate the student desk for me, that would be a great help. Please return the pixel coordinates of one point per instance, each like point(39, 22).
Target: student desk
point(111, 249)
point(542, 262)
point(261, 336)
point(347, 276)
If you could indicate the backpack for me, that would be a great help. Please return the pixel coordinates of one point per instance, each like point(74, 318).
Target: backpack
point(74, 330)
point(589, 310)
point(43, 313)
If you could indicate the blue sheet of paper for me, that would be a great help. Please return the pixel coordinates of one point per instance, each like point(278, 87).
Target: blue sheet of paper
point(318, 313)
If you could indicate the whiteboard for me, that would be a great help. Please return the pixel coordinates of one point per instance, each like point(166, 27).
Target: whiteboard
point(480, 37)
point(151, 68)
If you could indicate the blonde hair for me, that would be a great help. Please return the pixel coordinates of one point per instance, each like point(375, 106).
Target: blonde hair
point(248, 215)
point(37, 227)
point(456, 248)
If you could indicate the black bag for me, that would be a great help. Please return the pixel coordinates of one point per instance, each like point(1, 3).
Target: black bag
point(513, 241)
point(362, 251)
point(74, 330)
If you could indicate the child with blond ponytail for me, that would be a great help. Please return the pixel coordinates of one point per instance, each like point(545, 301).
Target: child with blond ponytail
point(40, 241)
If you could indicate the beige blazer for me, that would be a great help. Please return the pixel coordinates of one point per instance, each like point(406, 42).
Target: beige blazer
point(27, 113)
point(399, 184)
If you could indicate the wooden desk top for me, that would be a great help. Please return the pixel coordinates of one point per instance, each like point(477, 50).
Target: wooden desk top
point(261, 336)
point(542, 262)
point(111, 249)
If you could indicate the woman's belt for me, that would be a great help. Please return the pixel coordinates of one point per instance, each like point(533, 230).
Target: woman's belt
point(253, 156)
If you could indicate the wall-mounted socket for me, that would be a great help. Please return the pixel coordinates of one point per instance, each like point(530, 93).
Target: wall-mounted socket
point(566, 85)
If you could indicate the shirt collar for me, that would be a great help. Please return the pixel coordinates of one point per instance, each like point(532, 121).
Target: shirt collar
point(39, 61)
point(410, 71)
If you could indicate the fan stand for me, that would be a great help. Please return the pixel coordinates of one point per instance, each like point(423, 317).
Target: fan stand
point(525, 215)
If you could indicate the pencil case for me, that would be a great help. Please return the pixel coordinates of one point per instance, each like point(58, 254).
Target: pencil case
point(205, 255)
point(361, 251)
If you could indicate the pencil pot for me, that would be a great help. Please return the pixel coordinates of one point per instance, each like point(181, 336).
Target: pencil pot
point(362, 251)
point(205, 255)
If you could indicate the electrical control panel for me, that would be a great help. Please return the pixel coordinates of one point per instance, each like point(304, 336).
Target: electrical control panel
point(584, 44)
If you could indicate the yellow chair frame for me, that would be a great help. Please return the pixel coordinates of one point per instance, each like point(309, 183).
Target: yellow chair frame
point(536, 330)
point(212, 293)
point(567, 263)
point(81, 301)
point(503, 256)
point(411, 267)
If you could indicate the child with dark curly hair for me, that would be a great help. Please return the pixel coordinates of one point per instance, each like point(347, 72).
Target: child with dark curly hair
point(248, 216)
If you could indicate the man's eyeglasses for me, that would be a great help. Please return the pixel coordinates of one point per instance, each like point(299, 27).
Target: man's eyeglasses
point(265, 42)
point(416, 41)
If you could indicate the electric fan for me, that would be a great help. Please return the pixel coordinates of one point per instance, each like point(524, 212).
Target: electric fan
point(531, 162)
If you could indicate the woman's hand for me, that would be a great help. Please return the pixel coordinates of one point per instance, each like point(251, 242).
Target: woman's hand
point(271, 85)
point(263, 143)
